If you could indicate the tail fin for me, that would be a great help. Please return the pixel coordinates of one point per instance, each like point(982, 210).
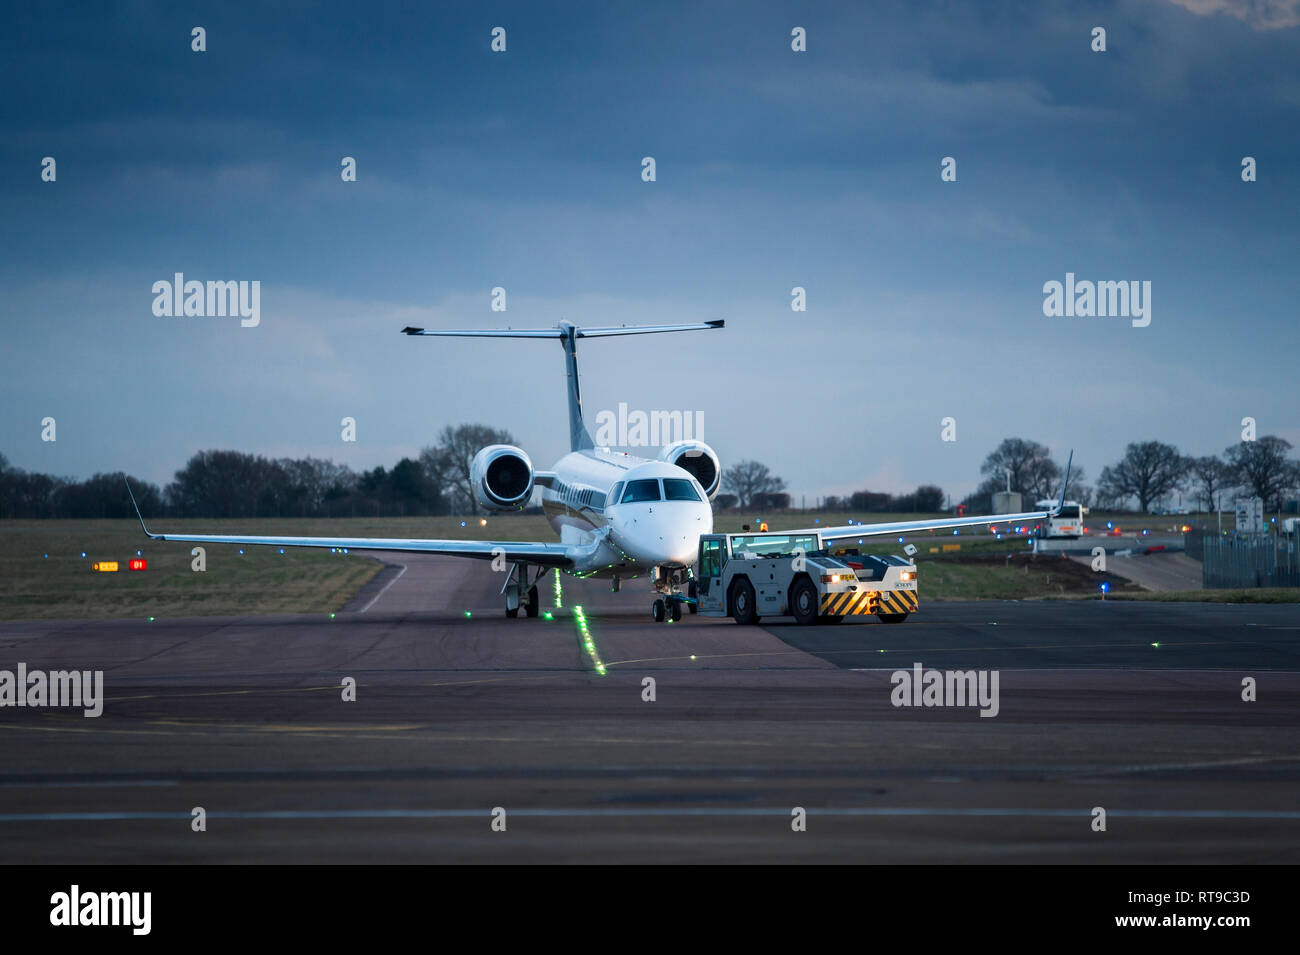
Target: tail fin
point(568, 334)
point(1064, 484)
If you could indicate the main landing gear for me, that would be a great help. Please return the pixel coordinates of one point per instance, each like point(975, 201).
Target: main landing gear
point(520, 592)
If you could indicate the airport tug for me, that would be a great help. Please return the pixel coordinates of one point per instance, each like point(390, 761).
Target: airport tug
point(750, 576)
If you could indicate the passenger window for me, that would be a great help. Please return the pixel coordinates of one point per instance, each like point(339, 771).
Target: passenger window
point(646, 489)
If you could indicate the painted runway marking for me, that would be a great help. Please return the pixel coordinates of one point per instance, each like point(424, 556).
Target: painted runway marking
point(383, 589)
point(675, 812)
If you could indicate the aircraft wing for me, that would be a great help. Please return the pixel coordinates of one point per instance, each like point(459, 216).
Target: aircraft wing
point(911, 527)
point(543, 554)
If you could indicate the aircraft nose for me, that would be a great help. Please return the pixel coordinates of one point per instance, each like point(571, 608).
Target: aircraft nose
point(672, 538)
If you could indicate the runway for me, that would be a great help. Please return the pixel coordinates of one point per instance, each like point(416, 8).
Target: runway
point(1135, 708)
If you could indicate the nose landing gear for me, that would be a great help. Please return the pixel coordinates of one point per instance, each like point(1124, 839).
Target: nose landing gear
point(666, 609)
point(668, 606)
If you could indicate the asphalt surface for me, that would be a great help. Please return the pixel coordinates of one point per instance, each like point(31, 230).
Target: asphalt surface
point(1165, 570)
point(1135, 708)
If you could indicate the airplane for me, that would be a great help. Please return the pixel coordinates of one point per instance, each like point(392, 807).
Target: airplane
point(618, 516)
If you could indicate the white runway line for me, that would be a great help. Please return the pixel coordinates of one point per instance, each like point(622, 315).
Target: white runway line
point(782, 813)
point(383, 589)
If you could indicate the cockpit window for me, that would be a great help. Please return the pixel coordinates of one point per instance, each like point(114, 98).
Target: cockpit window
point(679, 489)
point(614, 493)
point(646, 489)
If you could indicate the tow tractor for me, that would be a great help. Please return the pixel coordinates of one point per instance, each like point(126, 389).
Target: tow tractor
point(750, 576)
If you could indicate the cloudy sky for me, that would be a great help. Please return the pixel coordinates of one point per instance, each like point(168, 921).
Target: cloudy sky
point(775, 169)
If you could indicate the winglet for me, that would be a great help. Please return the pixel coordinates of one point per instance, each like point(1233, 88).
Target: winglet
point(137, 512)
point(1064, 484)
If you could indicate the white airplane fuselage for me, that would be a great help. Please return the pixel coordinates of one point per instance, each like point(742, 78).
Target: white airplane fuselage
point(637, 534)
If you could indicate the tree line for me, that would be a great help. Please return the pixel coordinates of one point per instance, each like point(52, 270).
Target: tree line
point(233, 484)
point(1148, 475)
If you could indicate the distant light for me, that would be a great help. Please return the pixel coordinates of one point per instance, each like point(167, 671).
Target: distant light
point(462, 523)
point(1105, 586)
point(467, 613)
point(900, 540)
point(331, 616)
point(548, 615)
point(281, 550)
point(692, 656)
point(345, 550)
point(241, 550)
point(151, 619)
point(955, 532)
point(482, 522)
point(1157, 644)
point(1110, 524)
point(47, 556)
point(83, 553)
point(138, 554)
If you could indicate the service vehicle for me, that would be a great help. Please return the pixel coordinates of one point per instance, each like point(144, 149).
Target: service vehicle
point(1067, 522)
point(796, 574)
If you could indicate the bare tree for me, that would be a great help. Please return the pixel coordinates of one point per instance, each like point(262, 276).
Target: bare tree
point(1209, 477)
point(747, 479)
point(1263, 467)
point(1148, 471)
point(447, 463)
point(1033, 471)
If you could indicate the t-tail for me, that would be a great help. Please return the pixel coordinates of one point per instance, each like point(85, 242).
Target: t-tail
point(568, 334)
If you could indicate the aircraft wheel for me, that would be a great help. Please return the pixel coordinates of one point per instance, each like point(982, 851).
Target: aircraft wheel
point(674, 609)
point(534, 602)
point(658, 610)
point(803, 602)
point(743, 599)
point(891, 617)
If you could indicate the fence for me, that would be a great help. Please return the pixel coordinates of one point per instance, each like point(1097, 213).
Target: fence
point(1249, 560)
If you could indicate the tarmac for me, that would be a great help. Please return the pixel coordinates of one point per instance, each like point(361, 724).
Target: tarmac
point(474, 738)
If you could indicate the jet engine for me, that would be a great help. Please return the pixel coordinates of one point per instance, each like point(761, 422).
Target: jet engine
point(502, 476)
point(699, 460)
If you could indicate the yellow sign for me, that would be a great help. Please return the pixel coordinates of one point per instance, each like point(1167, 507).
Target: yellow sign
point(105, 566)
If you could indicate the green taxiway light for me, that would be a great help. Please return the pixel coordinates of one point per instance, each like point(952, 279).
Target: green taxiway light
point(549, 616)
point(1155, 644)
point(467, 613)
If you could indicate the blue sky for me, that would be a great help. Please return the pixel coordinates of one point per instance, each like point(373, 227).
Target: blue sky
point(775, 169)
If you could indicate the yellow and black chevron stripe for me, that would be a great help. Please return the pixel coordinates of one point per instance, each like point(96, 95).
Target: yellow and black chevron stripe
point(868, 602)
